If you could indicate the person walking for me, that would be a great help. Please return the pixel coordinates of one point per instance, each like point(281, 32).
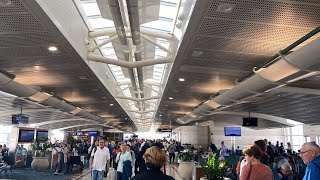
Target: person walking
point(100, 158)
point(122, 159)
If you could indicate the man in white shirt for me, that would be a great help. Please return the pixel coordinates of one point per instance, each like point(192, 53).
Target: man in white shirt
point(100, 158)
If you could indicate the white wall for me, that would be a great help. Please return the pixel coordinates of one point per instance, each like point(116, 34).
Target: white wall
point(248, 136)
point(195, 135)
point(312, 131)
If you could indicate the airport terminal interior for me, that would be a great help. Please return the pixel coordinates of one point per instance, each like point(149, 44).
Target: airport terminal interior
point(197, 78)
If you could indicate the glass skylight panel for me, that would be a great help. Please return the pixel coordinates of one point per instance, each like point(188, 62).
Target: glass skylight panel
point(99, 23)
point(108, 52)
point(168, 12)
point(160, 53)
point(91, 9)
point(159, 25)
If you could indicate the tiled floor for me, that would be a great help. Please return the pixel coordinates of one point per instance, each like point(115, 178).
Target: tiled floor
point(171, 171)
point(30, 174)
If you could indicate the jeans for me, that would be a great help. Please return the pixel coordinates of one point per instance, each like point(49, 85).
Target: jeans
point(97, 175)
point(171, 156)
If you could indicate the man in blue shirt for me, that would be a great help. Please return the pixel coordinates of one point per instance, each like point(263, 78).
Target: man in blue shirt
point(310, 154)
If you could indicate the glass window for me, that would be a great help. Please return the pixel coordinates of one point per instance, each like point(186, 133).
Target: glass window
point(5, 132)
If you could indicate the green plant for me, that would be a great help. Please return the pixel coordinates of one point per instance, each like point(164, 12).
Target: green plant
point(186, 156)
point(41, 147)
point(71, 141)
point(214, 168)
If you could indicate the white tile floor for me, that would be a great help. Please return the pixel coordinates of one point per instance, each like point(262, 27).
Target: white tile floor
point(171, 171)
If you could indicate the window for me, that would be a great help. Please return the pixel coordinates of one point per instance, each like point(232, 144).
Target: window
point(295, 136)
point(5, 135)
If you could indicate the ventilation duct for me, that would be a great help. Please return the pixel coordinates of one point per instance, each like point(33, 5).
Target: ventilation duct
point(117, 19)
point(278, 74)
point(10, 86)
point(133, 11)
point(140, 73)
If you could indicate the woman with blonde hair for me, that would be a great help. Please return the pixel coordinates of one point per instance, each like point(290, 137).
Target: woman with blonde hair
point(155, 158)
point(255, 170)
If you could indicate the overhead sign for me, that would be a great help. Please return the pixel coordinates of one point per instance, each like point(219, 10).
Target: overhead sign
point(165, 130)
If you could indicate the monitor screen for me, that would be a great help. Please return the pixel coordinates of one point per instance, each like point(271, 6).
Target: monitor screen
point(232, 131)
point(26, 135)
point(20, 118)
point(250, 122)
point(79, 133)
point(93, 133)
point(41, 135)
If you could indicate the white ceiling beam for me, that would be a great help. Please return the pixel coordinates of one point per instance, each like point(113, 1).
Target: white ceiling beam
point(136, 64)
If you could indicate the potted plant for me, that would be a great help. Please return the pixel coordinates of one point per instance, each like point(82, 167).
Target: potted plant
point(40, 149)
point(214, 168)
point(185, 166)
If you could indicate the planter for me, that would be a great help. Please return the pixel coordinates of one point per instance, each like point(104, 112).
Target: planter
point(40, 163)
point(185, 169)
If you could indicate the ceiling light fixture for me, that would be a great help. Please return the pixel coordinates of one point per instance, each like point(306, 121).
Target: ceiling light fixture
point(4, 3)
point(225, 7)
point(170, 97)
point(197, 53)
point(111, 104)
point(181, 79)
point(52, 48)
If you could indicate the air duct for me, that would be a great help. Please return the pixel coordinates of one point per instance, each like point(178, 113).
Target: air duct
point(140, 73)
point(278, 74)
point(10, 86)
point(117, 19)
point(133, 11)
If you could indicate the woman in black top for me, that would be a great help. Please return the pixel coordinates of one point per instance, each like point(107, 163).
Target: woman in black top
point(140, 165)
point(155, 158)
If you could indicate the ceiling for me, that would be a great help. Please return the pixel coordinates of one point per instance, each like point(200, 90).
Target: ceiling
point(221, 42)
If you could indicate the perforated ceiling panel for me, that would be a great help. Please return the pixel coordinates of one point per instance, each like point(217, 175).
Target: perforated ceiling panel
point(273, 12)
point(12, 6)
point(227, 40)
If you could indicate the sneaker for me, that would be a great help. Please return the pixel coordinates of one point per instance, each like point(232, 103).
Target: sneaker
point(55, 173)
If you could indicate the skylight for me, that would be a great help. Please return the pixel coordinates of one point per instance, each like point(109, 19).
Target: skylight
point(168, 10)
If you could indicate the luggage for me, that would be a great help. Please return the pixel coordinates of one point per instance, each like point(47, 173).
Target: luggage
point(112, 174)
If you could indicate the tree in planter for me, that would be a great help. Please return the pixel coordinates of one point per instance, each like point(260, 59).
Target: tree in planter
point(41, 147)
point(186, 156)
point(39, 150)
point(186, 164)
point(71, 141)
point(214, 168)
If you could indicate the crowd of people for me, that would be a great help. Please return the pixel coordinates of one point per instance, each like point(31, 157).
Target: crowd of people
point(262, 159)
point(131, 158)
point(143, 159)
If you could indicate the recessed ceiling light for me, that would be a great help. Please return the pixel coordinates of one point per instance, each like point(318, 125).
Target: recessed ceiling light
point(82, 77)
point(111, 104)
point(181, 79)
point(225, 7)
point(5, 3)
point(170, 97)
point(160, 115)
point(197, 53)
point(52, 48)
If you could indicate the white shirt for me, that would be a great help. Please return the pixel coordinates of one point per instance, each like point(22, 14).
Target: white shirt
point(100, 158)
